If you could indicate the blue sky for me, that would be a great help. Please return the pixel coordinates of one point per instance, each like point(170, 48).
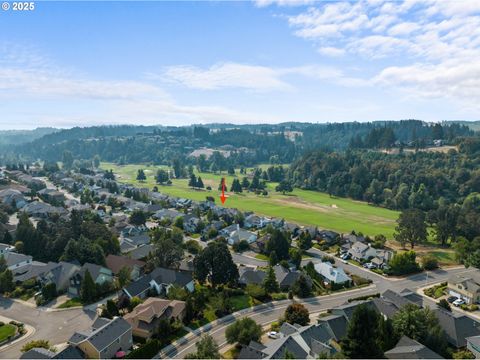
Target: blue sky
point(268, 61)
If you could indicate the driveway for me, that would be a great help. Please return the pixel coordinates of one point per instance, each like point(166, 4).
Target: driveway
point(55, 326)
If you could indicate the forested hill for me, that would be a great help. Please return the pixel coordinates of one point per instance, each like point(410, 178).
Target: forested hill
point(248, 144)
point(420, 179)
point(14, 137)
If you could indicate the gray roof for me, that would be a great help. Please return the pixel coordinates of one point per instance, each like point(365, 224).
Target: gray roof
point(470, 283)
point(457, 327)
point(285, 277)
point(348, 308)
point(38, 353)
point(407, 348)
point(103, 336)
point(141, 252)
point(160, 276)
point(169, 276)
point(13, 258)
point(70, 352)
point(250, 276)
point(337, 324)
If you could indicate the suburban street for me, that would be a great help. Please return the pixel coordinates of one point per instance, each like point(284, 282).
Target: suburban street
point(55, 326)
point(268, 313)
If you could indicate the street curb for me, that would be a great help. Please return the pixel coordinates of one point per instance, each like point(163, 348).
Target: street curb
point(231, 317)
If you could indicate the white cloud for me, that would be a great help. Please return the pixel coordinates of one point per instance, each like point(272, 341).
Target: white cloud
point(265, 3)
point(227, 75)
point(436, 41)
point(404, 28)
point(331, 51)
point(71, 99)
point(250, 77)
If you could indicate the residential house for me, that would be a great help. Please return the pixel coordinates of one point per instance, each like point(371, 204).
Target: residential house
point(141, 252)
point(159, 281)
point(466, 287)
point(12, 198)
point(332, 274)
point(190, 223)
point(116, 263)
point(249, 275)
point(100, 276)
point(287, 277)
point(228, 230)
point(52, 196)
point(253, 221)
point(15, 260)
point(59, 274)
point(328, 236)
point(302, 342)
point(105, 339)
point(407, 348)
point(169, 214)
point(361, 252)
point(4, 248)
point(42, 210)
point(473, 344)
point(146, 317)
point(382, 258)
point(458, 327)
point(240, 235)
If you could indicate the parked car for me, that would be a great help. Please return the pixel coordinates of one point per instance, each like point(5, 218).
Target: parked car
point(451, 299)
point(369, 266)
point(273, 335)
point(459, 302)
point(345, 256)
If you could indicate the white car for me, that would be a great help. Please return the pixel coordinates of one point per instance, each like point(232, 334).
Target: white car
point(458, 302)
point(273, 335)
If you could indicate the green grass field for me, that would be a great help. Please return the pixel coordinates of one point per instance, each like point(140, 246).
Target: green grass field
point(301, 206)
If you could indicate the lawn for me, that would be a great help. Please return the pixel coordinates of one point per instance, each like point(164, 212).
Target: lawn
point(6, 331)
point(261, 257)
point(301, 206)
point(240, 302)
point(71, 303)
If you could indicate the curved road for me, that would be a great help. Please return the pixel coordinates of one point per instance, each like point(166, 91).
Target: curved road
point(268, 313)
point(55, 326)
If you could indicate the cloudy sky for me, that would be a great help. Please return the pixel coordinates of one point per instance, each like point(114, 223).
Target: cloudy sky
point(173, 63)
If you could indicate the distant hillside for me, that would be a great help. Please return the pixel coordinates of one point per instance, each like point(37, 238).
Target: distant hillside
point(15, 137)
point(474, 125)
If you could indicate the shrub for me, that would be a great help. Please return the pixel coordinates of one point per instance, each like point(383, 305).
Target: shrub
point(327, 258)
point(429, 262)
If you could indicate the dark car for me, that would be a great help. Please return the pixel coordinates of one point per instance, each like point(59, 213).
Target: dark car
point(451, 299)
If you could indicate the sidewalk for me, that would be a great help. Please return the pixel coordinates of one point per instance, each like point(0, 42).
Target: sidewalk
point(30, 331)
point(164, 353)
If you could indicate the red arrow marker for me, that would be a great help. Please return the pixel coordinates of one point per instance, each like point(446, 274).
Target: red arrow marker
point(223, 197)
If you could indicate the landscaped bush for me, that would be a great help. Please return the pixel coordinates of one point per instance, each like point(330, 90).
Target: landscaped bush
point(365, 297)
point(146, 351)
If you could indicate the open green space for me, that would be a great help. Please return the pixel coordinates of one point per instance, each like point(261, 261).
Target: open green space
point(6, 331)
point(301, 206)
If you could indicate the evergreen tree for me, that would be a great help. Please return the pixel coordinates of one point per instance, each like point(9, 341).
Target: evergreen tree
point(141, 175)
point(88, 289)
point(200, 184)
point(193, 181)
point(363, 334)
point(270, 283)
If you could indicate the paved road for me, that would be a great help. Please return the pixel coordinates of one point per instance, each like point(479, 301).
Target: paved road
point(270, 313)
point(57, 326)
